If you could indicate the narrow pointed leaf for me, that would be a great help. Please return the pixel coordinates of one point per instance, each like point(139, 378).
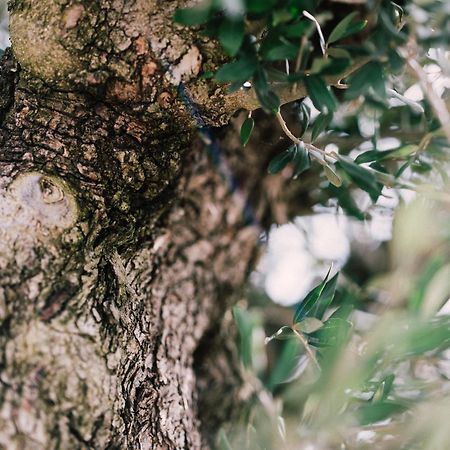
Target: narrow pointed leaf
point(307, 305)
point(340, 29)
point(280, 161)
point(322, 98)
point(332, 176)
point(282, 334)
point(231, 36)
point(246, 130)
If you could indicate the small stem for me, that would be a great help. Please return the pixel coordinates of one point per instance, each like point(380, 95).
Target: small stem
point(286, 130)
point(437, 103)
point(308, 350)
point(298, 61)
point(318, 153)
point(301, 51)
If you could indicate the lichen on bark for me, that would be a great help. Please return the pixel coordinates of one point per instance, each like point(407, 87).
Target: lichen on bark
point(120, 243)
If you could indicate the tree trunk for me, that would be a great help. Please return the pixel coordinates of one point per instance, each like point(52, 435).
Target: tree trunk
point(122, 245)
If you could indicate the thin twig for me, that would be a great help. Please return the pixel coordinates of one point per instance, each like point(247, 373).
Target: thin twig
point(437, 103)
point(307, 347)
point(319, 154)
point(298, 61)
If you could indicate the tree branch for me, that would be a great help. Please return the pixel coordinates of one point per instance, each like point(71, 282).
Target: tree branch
point(247, 99)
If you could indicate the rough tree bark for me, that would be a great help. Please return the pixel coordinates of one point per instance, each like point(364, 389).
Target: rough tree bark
point(122, 245)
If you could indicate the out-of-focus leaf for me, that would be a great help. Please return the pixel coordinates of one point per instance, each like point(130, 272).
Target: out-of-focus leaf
point(362, 177)
point(285, 364)
point(329, 66)
point(383, 389)
point(268, 99)
point(246, 130)
point(279, 51)
point(375, 412)
point(240, 71)
point(224, 443)
point(308, 325)
point(371, 75)
point(257, 6)
point(332, 176)
point(304, 115)
point(333, 333)
point(280, 161)
point(321, 96)
point(321, 124)
point(295, 30)
point(301, 160)
point(345, 28)
point(245, 329)
point(192, 16)
point(376, 155)
point(282, 334)
point(231, 35)
point(346, 201)
point(418, 293)
point(420, 338)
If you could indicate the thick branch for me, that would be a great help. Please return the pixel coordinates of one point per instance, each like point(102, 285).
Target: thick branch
point(247, 99)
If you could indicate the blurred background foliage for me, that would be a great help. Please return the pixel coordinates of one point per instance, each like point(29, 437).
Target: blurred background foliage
point(344, 333)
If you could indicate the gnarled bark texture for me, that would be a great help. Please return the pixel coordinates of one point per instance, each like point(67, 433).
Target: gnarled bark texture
point(121, 243)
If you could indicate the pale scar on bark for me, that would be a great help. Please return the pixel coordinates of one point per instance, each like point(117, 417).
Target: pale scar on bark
point(47, 197)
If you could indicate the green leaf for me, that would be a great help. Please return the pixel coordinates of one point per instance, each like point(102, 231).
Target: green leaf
point(375, 412)
point(329, 66)
point(282, 51)
point(301, 160)
point(308, 303)
point(345, 28)
point(334, 332)
point(308, 325)
point(280, 161)
point(362, 177)
point(231, 35)
point(341, 28)
point(237, 71)
point(285, 364)
point(425, 337)
point(383, 389)
point(317, 300)
point(192, 16)
point(376, 155)
point(372, 155)
point(321, 124)
point(246, 130)
point(346, 202)
point(355, 28)
point(332, 176)
point(339, 53)
point(304, 115)
point(418, 293)
point(326, 297)
point(295, 30)
point(245, 329)
point(268, 99)
point(322, 98)
point(371, 75)
point(282, 334)
point(258, 6)
point(224, 443)
point(281, 16)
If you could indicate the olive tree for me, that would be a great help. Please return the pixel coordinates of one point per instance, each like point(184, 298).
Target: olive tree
point(123, 243)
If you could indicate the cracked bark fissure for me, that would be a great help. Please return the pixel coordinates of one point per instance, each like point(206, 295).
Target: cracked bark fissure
point(120, 244)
